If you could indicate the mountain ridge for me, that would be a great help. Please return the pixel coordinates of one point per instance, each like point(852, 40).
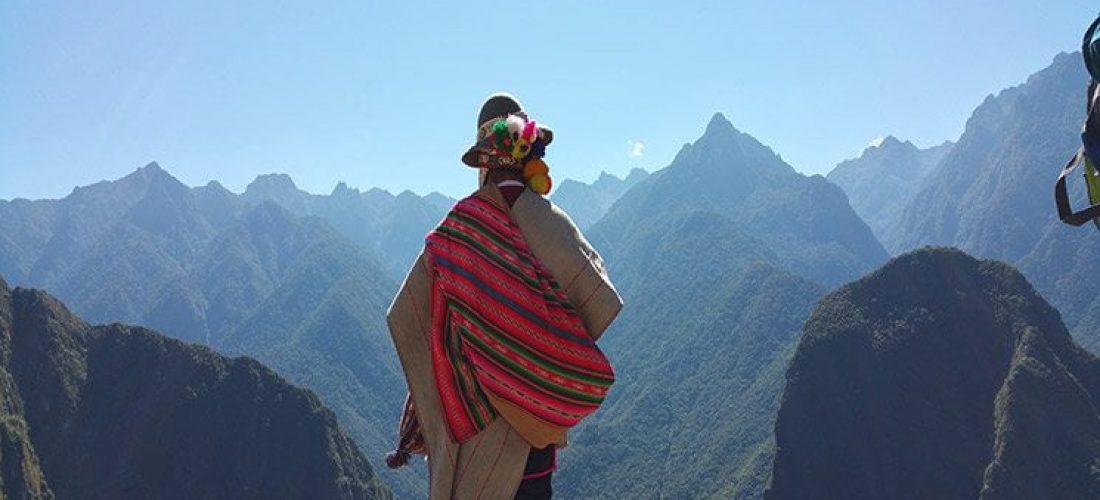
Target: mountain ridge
point(919, 380)
point(119, 411)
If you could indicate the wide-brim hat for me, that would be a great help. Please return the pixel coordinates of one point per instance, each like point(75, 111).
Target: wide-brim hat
point(497, 106)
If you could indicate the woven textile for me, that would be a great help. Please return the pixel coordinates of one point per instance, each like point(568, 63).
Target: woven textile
point(504, 339)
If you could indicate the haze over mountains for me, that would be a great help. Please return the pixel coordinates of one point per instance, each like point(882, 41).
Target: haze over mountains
point(991, 194)
point(205, 265)
point(721, 257)
point(293, 279)
point(391, 228)
point(718, 271)
point(123, 412)
point(587, 203)
point(882, 181)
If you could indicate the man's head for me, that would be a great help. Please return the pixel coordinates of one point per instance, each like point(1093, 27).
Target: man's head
point(502, 123)
point(507, 142)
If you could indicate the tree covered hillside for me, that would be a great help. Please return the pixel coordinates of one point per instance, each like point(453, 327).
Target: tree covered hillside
point(123, 412)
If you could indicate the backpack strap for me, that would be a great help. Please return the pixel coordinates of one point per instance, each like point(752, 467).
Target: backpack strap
point(1065, 213)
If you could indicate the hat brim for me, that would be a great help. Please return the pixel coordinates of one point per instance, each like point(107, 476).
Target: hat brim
point(470, 156)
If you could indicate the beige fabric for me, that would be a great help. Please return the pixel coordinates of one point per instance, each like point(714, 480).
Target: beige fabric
point(490, 465)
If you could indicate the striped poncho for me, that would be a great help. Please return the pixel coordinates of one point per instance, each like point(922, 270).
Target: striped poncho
point(504, 340)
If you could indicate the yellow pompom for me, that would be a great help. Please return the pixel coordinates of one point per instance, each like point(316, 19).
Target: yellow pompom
point(535, 167)
point(540, 183)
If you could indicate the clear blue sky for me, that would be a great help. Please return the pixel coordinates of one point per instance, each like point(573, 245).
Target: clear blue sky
point(387, 94)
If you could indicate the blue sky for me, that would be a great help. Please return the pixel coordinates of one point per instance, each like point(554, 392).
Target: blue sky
point(386, 94)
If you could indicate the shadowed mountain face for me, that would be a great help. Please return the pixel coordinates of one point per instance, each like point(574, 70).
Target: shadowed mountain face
point(983, 197)
point(587, 203)
point(122, 412)
point(203, 265)
point(716, 257)
point(992, 194)
point(882, 181)
point(938, 376)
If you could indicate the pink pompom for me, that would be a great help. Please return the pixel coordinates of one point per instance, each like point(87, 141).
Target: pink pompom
point(530, 131)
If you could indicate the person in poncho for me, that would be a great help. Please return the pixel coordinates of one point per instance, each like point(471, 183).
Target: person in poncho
point(496, 325)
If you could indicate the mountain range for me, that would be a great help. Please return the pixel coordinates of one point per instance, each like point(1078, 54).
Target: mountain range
point(391, 228)
point(938, 376)
point(123, 412)
point(587, 203)
point(244, 277)
point(991, 195)
point(720, 257)
point(882, 180)
point(718, 269)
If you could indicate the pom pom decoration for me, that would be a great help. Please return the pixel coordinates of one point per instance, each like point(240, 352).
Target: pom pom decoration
point(530, 132)
point(501, 139)
point(517, 137)
point(521, 149)
point(537, 174)
point(535, 167)
point(540, 184)
point(515, 126)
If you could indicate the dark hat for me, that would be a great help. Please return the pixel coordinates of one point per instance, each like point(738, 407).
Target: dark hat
point(497, 106)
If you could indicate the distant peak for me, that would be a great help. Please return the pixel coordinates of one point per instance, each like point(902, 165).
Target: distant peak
point(636, 174)
point(407, 195)
point(272, 182)
point(888, 141)
point(719, 124)
point(343, 189)
point(151, 174)
point(605, 177)
point(887, 144)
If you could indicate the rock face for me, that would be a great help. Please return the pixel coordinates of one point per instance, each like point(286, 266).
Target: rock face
point(882, 181)
point(938, 376)
point(123, 412)
point(991, 195)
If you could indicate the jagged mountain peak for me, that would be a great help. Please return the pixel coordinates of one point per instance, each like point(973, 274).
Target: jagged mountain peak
point(720, 136)
point(342, 190)
point(727, 163)
point(718, 124)
point(607, 177)
point(216, 186)
point(150, 174)
point(153, 175)
point(271, 184)
point(151, 167)
point(889, 143)
point(636, 175)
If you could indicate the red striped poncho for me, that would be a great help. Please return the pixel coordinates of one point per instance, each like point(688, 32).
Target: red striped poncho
point(504, 339)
